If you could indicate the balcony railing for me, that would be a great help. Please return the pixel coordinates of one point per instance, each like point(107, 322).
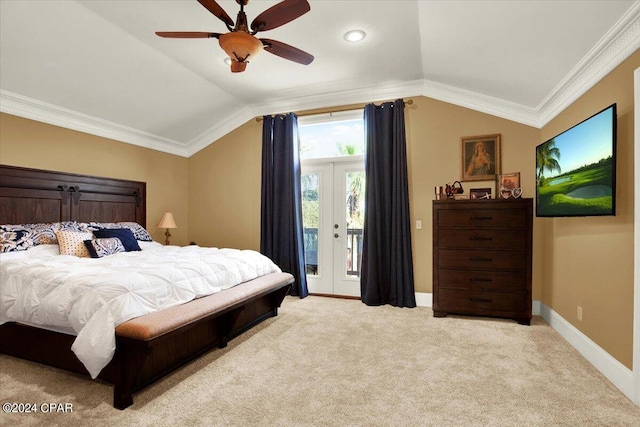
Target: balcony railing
point(354, 251)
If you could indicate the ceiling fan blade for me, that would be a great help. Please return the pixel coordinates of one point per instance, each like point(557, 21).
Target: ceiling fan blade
point(285, 51)
point(187, 34)
point(280, 14)
point(218, 11)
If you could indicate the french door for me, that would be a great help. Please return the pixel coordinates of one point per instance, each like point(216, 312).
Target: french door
point(333, 216)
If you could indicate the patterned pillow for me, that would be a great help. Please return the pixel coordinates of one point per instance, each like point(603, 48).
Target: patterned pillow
point(20, 237)
point(72, 242)
point(138, 231)
point(99, 248)
point(124, 234)
point(73, 226)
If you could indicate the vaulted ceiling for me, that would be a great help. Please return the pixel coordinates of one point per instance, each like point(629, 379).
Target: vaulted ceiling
point(98, 67)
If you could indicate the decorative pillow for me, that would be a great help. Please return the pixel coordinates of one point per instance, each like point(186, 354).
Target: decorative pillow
point(103, 247)
point(20, 237)
point(138, 231)
point(70, 225)
point(72, 242)
point(124, 234)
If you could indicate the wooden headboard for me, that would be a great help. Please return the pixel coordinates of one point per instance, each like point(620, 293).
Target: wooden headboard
point(35, 196)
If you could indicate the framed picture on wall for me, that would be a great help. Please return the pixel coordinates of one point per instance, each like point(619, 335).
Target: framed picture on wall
point(480, 157)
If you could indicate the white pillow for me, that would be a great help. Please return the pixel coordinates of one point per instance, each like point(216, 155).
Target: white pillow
point(33, 252)
point(146, 246)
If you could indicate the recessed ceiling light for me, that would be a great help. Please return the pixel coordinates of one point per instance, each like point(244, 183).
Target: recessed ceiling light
point(354, 35)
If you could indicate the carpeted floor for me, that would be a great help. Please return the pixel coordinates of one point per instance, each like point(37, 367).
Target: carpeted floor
point(333, 362)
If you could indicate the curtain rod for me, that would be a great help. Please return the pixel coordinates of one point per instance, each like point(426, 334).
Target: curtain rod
point(339, 110)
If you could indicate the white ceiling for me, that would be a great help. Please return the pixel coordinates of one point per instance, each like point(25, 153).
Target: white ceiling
point(97, 66)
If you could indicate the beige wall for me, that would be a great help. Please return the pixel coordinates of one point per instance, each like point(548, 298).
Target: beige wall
point(230, 170)
point(33, 144)
point(224, 205)
point(434, 129)
point(588, 262)
point(577, 261)
point(224, 190)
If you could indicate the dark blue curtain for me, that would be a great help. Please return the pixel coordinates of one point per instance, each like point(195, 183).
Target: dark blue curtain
point(387, 263)
point(281, 233)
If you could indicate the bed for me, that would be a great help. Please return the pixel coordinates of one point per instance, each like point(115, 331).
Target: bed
point(147, 347)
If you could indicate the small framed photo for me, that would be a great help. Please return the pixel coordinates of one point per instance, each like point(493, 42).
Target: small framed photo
point(480, 157)
point(480, 193)
point(507, 183)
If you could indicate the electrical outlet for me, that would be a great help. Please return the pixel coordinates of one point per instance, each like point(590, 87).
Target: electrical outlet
point(580, 313)
point(418, 224)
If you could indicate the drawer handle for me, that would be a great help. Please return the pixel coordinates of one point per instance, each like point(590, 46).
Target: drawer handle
point(481, 218)
point(482, 239)
point(481, 259)
point(480, 300)
point(479, 279)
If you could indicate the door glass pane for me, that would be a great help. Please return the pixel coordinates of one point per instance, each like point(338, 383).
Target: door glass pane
point(311, 219)
point(332, 139)
point(355, 221)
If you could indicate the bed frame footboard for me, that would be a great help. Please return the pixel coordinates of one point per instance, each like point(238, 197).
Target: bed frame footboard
point(138, 363)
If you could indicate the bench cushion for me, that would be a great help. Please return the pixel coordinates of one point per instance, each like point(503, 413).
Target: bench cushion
point(155, 324)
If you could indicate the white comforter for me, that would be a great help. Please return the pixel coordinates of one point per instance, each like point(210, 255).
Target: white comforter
point(93, 296)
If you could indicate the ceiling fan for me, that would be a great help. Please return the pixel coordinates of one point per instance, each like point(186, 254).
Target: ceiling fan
point(240, 42)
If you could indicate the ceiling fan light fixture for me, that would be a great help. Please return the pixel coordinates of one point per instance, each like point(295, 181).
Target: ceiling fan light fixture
point(240, 43)
point(354, 35)
point(241, 48)
point(238, 67)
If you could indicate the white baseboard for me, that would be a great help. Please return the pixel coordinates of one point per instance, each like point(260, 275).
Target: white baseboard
point(424, 299)
point(621, 376)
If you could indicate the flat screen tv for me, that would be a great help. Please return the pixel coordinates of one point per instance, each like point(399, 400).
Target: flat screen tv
point(576, 170)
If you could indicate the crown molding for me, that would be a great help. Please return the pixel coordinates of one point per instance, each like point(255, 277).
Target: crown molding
point(324, 100)
point(363, 95)
point(220, 129)
point(620, 42)
point(29, 108)
point(479, 102)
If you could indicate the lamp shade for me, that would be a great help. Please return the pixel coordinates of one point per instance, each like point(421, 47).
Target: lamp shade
point(167, 221)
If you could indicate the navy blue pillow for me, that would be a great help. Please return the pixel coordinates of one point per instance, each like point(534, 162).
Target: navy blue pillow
point(124, 234)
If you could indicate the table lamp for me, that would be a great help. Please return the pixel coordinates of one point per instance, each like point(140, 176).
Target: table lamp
point(167, 222)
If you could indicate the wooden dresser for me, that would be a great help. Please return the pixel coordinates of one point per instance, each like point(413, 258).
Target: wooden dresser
point(482, 258)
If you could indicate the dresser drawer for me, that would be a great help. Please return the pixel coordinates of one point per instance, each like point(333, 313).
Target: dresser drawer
point(483, 218)
point(481, 259)
point(479, 302)
point(480, 280)
point(482, 239)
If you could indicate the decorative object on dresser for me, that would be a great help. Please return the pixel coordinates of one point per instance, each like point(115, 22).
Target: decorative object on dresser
point(507, 183)
point(480, 193)
point(480, 157)
point(454, 189)
point(482, 253)
point(167, 222)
